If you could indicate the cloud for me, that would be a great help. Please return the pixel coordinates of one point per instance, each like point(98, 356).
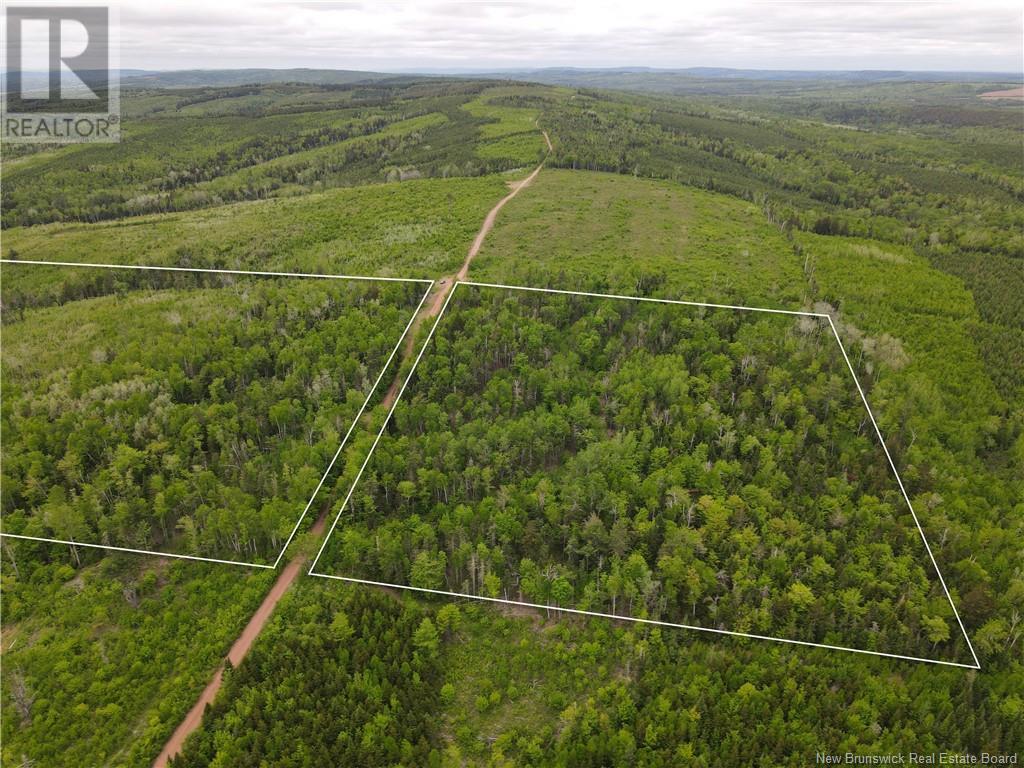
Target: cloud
point(409, 36)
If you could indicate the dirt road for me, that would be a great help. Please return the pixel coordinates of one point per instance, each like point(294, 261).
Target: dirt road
point(444, 285)
point(238, 651)
point(290, 573)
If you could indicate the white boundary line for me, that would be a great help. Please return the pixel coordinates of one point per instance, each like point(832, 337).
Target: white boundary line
point(330, 466)
point(799, 313)
point(820, 315)
point(646, 621)
point(250, 273)
point(149, 552)
point(355, 421)
point(380, 433)
point(906, 497)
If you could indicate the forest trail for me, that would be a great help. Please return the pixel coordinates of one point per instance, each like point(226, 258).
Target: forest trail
point(443, 286)
point(430, 309)
point(238, 650)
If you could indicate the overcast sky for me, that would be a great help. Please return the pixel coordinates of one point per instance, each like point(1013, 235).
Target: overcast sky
point(437, 35)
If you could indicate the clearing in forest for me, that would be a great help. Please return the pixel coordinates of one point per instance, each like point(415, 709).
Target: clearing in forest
point(700, 466)
point(184, 412)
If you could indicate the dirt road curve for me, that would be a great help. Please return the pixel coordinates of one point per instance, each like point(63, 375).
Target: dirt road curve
point(488, 224)
point(241, 647)
point(237, 653)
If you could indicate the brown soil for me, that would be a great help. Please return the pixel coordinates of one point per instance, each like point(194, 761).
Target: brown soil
point(1011, 93)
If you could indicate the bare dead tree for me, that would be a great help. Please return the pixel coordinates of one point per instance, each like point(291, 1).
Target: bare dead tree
point(22, 695)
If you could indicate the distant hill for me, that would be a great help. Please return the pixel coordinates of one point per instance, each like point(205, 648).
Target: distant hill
point(192, 78)
point(564, 74)
point(730, 82)
point(690, 80)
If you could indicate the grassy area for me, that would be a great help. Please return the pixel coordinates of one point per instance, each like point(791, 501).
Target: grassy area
point(419, 228)
point(528, 146)
point(510, 109)
point(538, 673)
point(511, 115)
point(604, 232)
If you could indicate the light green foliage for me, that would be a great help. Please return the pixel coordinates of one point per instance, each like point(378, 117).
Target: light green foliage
point(341, 628)
point(538, 675)
point(802, 597)
point(605, 233)
point(585, 453)
point(203, 424)
point(412, 229)
point(449, 618)
point(426, 639)
point(504, 120)
point(511, 114)
point(102, 662)
point(936, 629)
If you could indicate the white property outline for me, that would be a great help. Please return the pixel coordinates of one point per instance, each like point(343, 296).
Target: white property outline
point(334, 459)
point(864, 400)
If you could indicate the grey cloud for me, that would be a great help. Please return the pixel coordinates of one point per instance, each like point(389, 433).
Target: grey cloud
point(404, 36)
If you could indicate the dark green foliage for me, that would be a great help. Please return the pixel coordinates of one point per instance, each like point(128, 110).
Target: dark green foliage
point(727, 703)
point(321, 690)
point(997, 283)
point(1002, 348)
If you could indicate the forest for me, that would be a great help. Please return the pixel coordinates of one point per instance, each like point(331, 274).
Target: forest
point(201, 427)
point(651, 460)
point(196, 148)
point(378, 660)
point(102, 657)
point(573, 452)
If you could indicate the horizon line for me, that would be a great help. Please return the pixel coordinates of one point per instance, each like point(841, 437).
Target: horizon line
point(612, 68)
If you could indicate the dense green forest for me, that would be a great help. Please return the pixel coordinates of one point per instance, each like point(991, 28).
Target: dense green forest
point(362, 662)
point(895, 208)
point(103, 657)
point(204, 424)
point(648, 460)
